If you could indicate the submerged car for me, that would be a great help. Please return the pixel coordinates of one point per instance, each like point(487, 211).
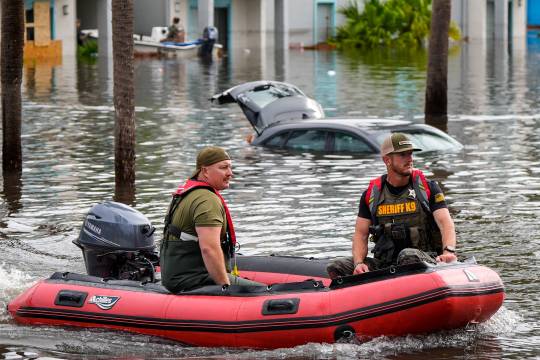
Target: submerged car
point(284, 117)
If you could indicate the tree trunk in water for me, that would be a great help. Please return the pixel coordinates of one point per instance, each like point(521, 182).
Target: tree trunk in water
point(124, 99)
point(12, 191)
point(11, 72)
point(436, 87)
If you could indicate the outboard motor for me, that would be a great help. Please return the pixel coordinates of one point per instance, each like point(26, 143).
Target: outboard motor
point(117, 242)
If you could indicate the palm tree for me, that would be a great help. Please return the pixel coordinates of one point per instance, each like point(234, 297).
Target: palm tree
point(437, 75)
point(11, 72)
point(124, 100)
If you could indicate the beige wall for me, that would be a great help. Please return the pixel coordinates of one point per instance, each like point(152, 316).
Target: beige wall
point(248, 26)
point(475, 24)
point(519, 26)
point(65, 25)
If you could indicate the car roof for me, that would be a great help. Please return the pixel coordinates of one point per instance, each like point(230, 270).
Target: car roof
point(366, 125)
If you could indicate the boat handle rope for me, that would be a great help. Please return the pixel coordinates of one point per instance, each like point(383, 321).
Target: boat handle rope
point(392, 269)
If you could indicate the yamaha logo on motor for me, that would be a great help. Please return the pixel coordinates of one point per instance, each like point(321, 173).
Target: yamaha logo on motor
point(93, 227)
point(103, 301)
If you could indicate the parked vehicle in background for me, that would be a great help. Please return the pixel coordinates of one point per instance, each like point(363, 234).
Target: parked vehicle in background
point(283, 117)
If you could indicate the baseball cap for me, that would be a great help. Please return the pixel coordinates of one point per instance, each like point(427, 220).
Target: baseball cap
point(208, 156)
point(396, 143)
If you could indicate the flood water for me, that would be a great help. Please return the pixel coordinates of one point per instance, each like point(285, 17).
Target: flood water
point(284, 203)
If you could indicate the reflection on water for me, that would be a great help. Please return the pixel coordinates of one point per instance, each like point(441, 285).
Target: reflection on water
point(11, 192)
point(300, 204)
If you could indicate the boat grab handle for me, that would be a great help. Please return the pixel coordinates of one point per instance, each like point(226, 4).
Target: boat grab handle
point(280, 306)
point(70, 298)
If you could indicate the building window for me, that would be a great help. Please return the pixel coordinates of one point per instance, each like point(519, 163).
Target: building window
point(29, 15)
point(30, 34)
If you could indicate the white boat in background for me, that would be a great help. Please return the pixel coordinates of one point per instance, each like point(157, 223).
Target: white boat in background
point(150, 45)
point(185, 49)
point(147, 45)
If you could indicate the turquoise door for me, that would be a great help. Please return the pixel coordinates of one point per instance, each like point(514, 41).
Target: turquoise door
point(533, 13)
point(324, 21)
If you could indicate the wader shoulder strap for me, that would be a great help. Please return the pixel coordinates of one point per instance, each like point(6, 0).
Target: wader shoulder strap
point(169, 228)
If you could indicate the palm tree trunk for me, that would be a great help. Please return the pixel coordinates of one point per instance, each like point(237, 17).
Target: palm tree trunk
point(437, 84)
point(12, 191)
point(11, 72)
point(124, 100)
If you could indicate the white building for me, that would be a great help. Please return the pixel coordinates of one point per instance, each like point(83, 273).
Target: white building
point(309, 22)
point(490, 19)
point(50, 24)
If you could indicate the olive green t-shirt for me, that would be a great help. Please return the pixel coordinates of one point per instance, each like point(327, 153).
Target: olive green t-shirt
point(182, 265)
point(200, 207)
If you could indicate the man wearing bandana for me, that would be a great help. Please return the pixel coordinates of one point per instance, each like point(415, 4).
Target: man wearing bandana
point(199, 239)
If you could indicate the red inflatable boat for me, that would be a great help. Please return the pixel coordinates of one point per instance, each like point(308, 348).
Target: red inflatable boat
point(299, 305)
point(416, 298)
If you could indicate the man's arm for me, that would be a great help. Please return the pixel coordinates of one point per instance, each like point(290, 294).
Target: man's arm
point(446, 225)
point(360, 245)
point(210, 244)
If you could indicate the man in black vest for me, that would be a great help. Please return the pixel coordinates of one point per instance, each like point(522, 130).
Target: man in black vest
point(402, 211)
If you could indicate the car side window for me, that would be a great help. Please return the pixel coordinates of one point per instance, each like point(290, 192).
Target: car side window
point(277, 140)
point(344, 142)
point(312, 140)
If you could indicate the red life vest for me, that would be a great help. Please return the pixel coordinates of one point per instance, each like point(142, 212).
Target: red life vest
point(191, 185)
point(420, 185)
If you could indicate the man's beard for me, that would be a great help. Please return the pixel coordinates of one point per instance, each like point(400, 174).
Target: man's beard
point(405, 172)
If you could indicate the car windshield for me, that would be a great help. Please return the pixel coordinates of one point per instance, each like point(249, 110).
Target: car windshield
point(266, 94)
point(426, 141)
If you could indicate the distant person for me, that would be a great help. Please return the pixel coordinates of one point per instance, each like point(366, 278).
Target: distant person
point(199, 238)
point(405, 214)
point(81, 37)
point(210, 35)
point(175, 32)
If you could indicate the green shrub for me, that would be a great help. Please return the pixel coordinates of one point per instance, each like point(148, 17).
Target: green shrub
point(88, 49)
point(400, 23)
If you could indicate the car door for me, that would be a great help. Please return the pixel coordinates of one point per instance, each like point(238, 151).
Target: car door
point(311, 140)
point(343, 142)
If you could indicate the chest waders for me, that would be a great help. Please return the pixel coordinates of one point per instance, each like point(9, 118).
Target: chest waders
point(403, 220)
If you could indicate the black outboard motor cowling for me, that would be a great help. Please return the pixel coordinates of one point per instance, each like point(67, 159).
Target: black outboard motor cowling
point(117, 242)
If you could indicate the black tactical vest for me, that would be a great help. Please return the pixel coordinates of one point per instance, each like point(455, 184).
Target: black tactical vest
point(402, 221)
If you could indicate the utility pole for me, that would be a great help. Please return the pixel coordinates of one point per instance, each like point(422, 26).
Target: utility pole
point(436, 106)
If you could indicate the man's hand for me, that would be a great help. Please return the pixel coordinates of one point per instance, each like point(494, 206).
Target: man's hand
point(446, 257)
point(360, 268)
